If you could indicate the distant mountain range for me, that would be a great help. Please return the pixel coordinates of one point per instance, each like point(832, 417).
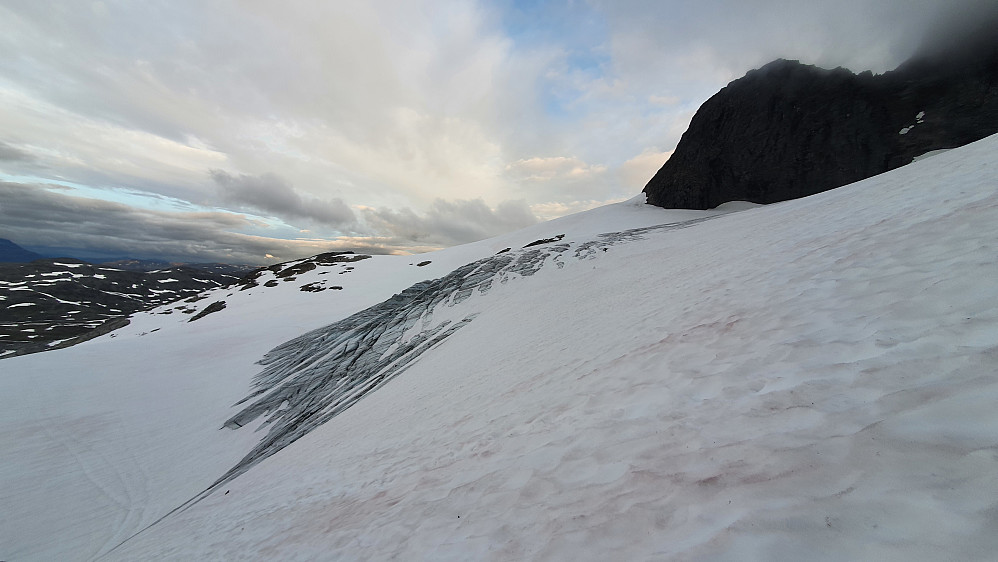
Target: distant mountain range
point(12, 253)
point(152, 265)
point(56, 302)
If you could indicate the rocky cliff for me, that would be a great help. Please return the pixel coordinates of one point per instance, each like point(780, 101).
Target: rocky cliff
point(788, 130)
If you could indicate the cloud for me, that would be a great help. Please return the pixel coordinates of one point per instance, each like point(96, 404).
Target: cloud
point(969, 24)
point(677, 43)
point(312, 109)
point(389, 101)
point(34, 215)
point(553, 210)
point(80, 148)
point(562, 181)
point(269, 194)
point(638, 170)
point(447, 223)
point(10, 153)
point(537, 169)
point(663, 100)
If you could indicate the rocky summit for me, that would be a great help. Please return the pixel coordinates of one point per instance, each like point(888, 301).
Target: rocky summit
point(789, 130)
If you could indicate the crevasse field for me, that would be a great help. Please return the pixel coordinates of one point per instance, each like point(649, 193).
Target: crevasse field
point(811, 380)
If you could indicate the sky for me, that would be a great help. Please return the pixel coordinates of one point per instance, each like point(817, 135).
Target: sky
point(257, 131)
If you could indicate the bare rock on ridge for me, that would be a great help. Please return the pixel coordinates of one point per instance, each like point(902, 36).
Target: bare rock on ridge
point(789, 130)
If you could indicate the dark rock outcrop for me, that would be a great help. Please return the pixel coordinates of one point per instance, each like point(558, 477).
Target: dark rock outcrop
point(290, 269)
point(789, 130)
point(545, 241)
point(216, 306)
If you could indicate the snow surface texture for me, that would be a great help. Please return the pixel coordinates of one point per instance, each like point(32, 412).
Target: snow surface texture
point(312, 378)
point(809, 380)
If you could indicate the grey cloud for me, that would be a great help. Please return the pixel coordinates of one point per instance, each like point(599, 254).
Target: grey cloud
point(270, 194)
point(10, 153)
point(687, 51)
point(965, 25)
point(858, 34)
point(334, 92)
point(382, 99)
point(452, 222)
point(189, 67)
point(33, 215)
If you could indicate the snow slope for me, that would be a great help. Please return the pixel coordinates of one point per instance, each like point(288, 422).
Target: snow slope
point(809, 380)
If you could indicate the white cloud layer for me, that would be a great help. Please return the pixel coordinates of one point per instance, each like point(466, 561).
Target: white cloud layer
point(539, 169)
point(447, 223)
point(413, 111)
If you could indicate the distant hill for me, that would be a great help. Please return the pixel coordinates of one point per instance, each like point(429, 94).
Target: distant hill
point(153, 265)
point(12, 253)
point(52, 303)
point(117, 260)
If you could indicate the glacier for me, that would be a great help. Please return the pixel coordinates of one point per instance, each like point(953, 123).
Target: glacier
point(810, 379)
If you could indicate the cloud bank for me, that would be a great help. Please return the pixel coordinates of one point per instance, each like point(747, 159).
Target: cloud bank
point(270, 194)
point(406, 125)
point(447, 223)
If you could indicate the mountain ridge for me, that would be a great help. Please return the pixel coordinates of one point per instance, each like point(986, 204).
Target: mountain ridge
point(12, 253)
point(788, 130)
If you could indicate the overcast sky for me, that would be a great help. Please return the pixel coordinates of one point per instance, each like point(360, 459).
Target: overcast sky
point(256, 131)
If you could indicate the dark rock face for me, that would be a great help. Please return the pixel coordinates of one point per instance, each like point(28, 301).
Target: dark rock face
point(789, 130)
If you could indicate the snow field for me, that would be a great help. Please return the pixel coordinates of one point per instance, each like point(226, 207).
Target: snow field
point(809, 380)
point(813, 380)
point(104, 438)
